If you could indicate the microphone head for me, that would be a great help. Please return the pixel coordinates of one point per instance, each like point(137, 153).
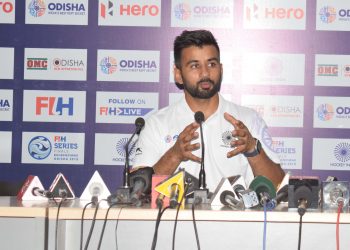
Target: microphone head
point(199, 117)
point(139, 123)
point(261, 184)
point(223, 197)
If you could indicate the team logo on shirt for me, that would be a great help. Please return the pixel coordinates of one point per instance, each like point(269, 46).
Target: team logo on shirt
point(227, 138)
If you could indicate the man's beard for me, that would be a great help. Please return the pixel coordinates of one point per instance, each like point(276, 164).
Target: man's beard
point(196, 92)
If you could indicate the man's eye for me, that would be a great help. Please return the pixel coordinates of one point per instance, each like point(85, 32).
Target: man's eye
point(194, 66)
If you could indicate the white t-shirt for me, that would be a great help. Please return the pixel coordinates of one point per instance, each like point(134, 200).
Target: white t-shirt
point(162, 129)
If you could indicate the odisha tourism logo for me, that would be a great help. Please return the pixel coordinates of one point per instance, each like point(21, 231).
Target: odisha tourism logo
point(108, 65)
point(39, 147)
point(37, 8)
point(342, 152)
point(121, 144)
point(182, 11)
point(325, 112)
point(328, 14)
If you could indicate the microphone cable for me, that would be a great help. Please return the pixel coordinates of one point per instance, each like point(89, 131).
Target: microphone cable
point(265, 224)
point(155, 236)
point(340, 208)
point(116, 227)
point(82, 225)
point(63, 199)
point(104, 224)
point(195, 201)
point(92, 226)
point(301, 211)
point(177, 213)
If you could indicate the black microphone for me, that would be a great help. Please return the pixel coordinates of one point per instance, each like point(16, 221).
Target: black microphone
point(139, 124)
point(227, 198)
point(40, 192)
point(141, 182)
point(199, 117)
point(282, 194)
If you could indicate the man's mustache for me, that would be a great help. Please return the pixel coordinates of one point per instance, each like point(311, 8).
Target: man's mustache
point(206, 80)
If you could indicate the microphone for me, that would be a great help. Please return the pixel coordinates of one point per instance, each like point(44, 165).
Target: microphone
point(174, 195)
point(139, 124)
point(199, 118)
point(265, 190)
point(227, 198)
point(141, 184)
point(123, 194)
point(40, 192)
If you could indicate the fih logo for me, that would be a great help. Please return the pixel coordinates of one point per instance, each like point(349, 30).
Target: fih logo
point(6, 7)
point(108, 65)
point(39, 147)
point(325, 112)
point(182, 11)
point(342, 152)
point(327, 70)
point(121, 147)
point(37, 8)
point(36, 63)
point(53, 105)
point(116, 111)
point(328, 14)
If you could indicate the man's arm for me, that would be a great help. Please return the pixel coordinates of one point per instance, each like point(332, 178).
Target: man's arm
point(261, 164)
point(181, 151)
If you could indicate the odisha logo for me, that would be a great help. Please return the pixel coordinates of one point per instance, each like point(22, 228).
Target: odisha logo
point(39, 147)
point(325, 112)
point(121, 147)
point(37, 8)
point(342, 152)
point(182, 11)
point(108, 65)
point(328, 14)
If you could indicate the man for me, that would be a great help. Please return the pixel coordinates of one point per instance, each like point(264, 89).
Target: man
point(232, 133)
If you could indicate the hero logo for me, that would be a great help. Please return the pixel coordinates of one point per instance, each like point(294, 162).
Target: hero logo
point(53, 105)
point(274, 13)
point(6, 7)
point(129, 10)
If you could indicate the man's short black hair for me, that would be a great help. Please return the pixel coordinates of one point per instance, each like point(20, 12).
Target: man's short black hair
point(197, 38)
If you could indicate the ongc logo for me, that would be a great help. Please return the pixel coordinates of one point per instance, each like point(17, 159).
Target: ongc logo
point(6, 7)
point(37, 8)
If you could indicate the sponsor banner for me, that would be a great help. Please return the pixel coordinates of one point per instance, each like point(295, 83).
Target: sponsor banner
point(110, 149)
point(331, 112)
point(128, 65)
point(274, 14)
point(5, 146)
point(332, 70)
point(7, 11)
point(6, 104)
point(277, 110)
point(61, 12)
point(333, 15)
point(7, 60)
point(53, 148)
point(55, 64)
point(331, 154)
point(124, 107)
point(202, 13)
point(289, 150)
point(129, 13)
point(273, 69)
point(54, 106)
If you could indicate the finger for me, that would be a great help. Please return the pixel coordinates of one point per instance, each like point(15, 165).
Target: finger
point(194, 158)
point(232, 120)
point(234, 152)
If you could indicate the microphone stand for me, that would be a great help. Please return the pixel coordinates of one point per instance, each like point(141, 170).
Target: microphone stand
point(123, 193)
point(200, 194)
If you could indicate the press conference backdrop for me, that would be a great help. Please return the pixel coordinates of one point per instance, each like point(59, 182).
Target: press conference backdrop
point(76, 74)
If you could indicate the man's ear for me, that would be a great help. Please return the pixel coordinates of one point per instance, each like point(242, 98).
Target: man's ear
point(177, 75)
